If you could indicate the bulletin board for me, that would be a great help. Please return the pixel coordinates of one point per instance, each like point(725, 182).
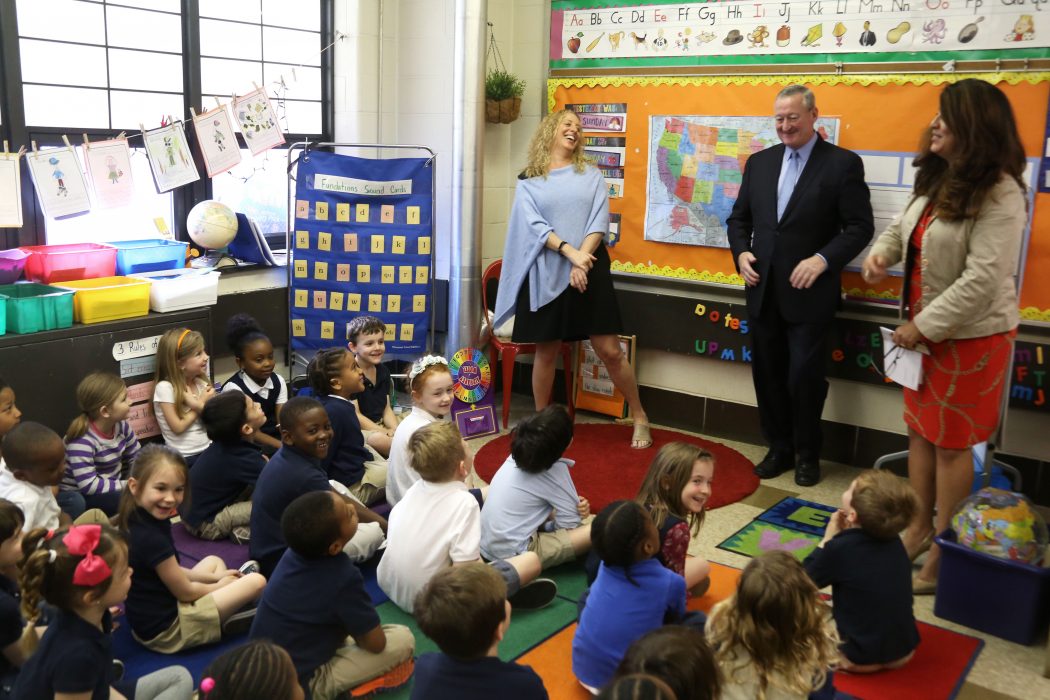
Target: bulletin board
point(876, 113)
point(361, 244)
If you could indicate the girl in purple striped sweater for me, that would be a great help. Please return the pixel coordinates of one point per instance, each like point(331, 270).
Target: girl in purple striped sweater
point(100, 444)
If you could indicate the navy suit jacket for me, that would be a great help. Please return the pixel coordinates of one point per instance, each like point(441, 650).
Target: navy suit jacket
point(829, 213)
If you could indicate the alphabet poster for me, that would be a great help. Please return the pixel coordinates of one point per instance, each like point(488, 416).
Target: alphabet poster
point(257, 121)
point(363, 235)
point(109, 169)
point(10, 191)
point(58, 181)
point(217, 141)
point(169, 157)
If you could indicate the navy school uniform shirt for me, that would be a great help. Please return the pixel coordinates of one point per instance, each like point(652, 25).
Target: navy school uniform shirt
point(151, 607)
point(372, 401)
point(346, 457)
point(74, 656)
point(871, 587)
point(288, 475)
point(441, 677)
point(310, 606)
point(10, 620)
point(221, 474)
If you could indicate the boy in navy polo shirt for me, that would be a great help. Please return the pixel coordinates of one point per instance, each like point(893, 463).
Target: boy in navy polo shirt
point(366, 338)
point(465, 610)
point(295, 469)
point(317, 608)
point(226, 469)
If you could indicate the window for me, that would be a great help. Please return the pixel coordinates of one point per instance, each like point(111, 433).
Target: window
point(258, 188)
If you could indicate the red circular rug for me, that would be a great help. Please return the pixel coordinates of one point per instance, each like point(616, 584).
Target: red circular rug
point(607, 469)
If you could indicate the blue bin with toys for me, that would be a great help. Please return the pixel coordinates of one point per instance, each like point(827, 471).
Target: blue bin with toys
point(1009, 599)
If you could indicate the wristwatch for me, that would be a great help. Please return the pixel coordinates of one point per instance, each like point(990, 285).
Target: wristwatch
point(561, 245)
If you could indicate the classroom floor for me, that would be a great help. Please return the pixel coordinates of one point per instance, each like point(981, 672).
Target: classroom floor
point(1003, 669)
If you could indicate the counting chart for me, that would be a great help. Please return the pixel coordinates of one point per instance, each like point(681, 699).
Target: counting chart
point(361, 243)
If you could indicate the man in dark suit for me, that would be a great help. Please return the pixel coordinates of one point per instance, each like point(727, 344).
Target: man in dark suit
point(802, 214)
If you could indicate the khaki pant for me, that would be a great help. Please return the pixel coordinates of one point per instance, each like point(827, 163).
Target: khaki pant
point(554, 548)
point(351, 666)
point(197, 623)
point(234, 515)
point(374, 480)
point(93, 516)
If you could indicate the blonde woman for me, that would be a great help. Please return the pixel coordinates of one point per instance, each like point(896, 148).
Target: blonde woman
point(556, 278)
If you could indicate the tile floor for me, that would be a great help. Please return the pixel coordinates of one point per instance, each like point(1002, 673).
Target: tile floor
point(1003, 669)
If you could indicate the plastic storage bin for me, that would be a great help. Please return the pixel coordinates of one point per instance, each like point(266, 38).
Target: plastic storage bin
point(149, 255)
point(73, 261)
point(36, 307)
point(174, 290)
point(12, 262)
point(109, 298)
point(1006, 598)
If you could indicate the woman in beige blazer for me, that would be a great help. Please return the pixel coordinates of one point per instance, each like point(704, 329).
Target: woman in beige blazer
point(960, 238)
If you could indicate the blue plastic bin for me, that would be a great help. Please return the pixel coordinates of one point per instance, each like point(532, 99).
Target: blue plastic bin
point(149, 255)
point(1006, 598)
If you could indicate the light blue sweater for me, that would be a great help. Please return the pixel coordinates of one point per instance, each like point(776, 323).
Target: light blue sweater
point(566, 202)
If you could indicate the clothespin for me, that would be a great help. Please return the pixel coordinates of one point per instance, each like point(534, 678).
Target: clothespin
point(34, 146)
point(65, 140)
point(170, 120)
point(21, 151)
point(142, 128)
point(87, 142)
point(255, 85)
point(294, 78)
point(193, 114)
point(218, 105)
point(5, 146)
point(122, 135)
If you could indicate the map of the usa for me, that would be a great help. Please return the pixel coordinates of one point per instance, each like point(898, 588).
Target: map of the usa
point(695, 168)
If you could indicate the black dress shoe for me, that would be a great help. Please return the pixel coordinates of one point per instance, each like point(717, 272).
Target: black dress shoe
point(773, 464)
point(807, 473)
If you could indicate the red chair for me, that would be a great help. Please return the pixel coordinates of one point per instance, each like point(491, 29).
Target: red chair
point(508, 351)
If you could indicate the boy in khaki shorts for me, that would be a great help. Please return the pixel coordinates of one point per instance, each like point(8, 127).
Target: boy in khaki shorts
point(317, 608)
point(532, 504)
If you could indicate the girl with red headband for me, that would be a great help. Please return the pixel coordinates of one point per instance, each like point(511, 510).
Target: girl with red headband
point(182, 388)
point(83, 571)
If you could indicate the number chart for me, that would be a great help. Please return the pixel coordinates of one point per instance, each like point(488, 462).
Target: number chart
point(361, 244)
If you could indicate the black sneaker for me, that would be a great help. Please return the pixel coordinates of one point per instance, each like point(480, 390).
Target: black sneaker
point(116, 671)
point(241, 534)
point(239, 623)
point(535, 595)
point(249, 567)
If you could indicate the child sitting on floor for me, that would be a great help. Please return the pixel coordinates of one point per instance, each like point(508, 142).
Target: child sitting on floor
point(334, 378)
point(258, 669)
point(365, 337)
point(317, 608)
point(13, 654)
point(83, 571)
point(864, 561)
point(100, 444)
point(36, 461)
point(464, 609)
point(438, 524)
point(253, 351)
point(9, 413)
point(632, 594)
point(774, 638)
point(170, 607)
point(532, 504)
point(294, 470)
point(218, 507)
point(680, 657)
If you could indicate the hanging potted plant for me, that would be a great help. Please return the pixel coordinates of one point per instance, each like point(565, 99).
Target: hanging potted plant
point(503, 93)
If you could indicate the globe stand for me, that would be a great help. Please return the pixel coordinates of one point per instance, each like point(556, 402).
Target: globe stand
point(214, 259)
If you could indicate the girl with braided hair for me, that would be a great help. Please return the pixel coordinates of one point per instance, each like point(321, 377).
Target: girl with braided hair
point(259, 669)
point(83, 571)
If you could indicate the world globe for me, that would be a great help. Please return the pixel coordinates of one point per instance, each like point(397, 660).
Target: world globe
point(1003, 524)
point(211, 224)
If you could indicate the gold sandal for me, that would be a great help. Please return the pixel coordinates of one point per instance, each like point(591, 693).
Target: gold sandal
point(924, 546)
point(641, 438)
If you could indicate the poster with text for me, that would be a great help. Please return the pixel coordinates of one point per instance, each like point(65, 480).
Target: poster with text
point(59, 183)
point(169, 157)
point(109, 169)
point(217, 141)
point(257, 121)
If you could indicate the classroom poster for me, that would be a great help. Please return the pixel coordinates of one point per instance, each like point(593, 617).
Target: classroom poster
point(109, 169)
point(217, 141)
point(257, 121)
point(361, 245)
point(10, 191)
point(169, 157)
point(59, 183)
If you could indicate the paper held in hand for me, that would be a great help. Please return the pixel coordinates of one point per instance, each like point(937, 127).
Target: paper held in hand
point(900, 364)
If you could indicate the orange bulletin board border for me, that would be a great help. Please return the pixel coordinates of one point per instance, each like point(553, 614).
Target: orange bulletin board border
point(876, 112)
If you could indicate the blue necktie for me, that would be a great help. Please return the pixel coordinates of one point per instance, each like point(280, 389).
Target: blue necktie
point(787, 184)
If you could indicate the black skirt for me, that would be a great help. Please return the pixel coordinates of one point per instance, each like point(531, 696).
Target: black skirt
point(572, 315)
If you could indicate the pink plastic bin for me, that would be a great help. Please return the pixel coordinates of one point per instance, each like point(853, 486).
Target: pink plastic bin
point(73, 261)
point(11, 264)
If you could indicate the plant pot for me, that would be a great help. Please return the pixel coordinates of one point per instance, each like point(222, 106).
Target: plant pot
point(502, 111)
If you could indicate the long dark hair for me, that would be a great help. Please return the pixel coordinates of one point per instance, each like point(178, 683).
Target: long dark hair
point(987, 146)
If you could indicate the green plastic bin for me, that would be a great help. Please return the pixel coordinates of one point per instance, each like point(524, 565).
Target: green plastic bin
point(32, 307)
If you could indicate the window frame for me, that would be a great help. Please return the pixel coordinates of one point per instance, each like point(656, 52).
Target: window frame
point(17, 133)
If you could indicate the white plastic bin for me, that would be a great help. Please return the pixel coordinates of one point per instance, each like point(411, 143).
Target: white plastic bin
point(175, 290)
